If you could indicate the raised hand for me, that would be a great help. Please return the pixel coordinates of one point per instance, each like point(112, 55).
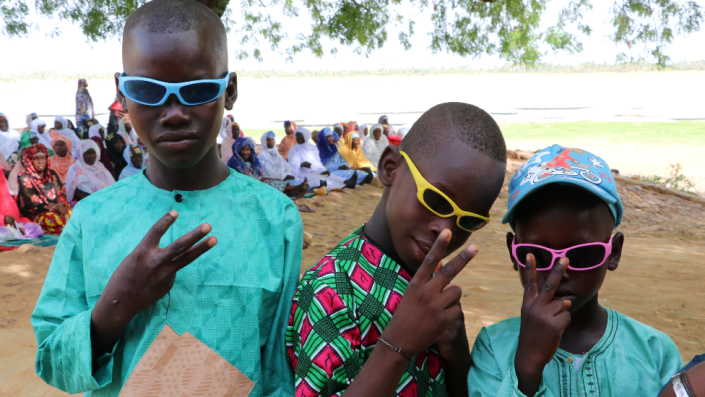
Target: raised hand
point(430, 306)
point(543, 321)
point(142, 278)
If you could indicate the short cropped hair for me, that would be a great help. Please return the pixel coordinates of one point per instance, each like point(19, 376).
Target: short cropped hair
point(466, 122)
point(177, 16)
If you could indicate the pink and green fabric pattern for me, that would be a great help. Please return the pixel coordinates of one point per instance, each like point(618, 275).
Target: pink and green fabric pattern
point(341, 307)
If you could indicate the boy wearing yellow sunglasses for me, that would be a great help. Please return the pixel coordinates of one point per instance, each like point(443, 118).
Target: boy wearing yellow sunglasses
point(371, 318)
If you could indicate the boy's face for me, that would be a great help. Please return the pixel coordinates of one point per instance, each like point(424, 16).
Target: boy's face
point(469, 178)
point(178, 136)
point(562, 226)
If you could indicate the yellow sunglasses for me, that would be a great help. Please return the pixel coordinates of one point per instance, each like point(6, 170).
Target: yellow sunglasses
point(440, 204)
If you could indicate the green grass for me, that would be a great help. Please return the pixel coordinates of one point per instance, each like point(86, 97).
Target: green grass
point(676, 133)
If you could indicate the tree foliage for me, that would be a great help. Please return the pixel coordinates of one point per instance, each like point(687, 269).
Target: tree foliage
point(515, 30)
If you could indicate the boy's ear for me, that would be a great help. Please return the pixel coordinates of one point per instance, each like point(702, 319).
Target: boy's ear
point(231, 92)
point(118, 94)
point(388, 165)
point(616, 254)
point(510, 239)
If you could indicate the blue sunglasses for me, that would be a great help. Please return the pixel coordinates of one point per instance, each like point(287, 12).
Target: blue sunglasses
point(154, 92)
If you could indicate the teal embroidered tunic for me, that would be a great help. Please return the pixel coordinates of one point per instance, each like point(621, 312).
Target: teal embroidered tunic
point(631, 359)
point(235, 298)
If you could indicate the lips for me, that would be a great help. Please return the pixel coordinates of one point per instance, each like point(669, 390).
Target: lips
point(420, 249)
point(563, 295)
point(177, 140)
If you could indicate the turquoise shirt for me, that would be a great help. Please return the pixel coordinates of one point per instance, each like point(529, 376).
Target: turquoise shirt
point(235, 298)
point(631, 359)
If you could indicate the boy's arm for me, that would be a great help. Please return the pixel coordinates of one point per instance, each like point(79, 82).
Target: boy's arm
point(486, 379)
point(277, 376)
point(62, 319)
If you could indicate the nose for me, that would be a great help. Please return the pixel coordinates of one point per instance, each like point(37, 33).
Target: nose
point(439, 224)
point(174, 112)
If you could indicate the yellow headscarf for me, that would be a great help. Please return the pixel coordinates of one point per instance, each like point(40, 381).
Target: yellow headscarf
point(355, 157)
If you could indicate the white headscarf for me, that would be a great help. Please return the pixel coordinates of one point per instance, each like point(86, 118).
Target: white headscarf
point(273, 163)
point(9, 140)
point(87, 178)
point(45, 137)
point(122, 130)
point(69, 134)
point(362, 128)
point(127, 155)
point(372, 147)
point(402, 132)
point(226, 129)
point(95, 131)
point(28, 120)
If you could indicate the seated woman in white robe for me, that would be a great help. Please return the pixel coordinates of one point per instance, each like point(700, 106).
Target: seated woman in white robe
point(374, 145)
point(273, 164)
point(87, 175)
point(134, 155)
point(334, 162)
point(306, 164)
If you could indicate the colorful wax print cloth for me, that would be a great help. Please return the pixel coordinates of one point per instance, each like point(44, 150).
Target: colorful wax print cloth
point(631, 359)
point(341, 307)
point(235, 298)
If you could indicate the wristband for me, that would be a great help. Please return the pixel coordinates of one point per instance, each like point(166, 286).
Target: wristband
point(681, 386)
point(397, 349)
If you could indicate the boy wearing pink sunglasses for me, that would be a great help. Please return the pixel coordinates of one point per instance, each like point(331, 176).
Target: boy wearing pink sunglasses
point(565, 343)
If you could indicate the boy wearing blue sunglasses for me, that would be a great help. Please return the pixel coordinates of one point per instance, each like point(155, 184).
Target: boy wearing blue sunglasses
point(563, 208)
point(371, 318)
point(148, 303)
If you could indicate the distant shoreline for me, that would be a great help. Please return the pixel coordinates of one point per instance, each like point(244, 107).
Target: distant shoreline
point(586, 68)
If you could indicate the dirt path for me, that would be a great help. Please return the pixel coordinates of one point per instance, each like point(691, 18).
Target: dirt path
point(659, 281)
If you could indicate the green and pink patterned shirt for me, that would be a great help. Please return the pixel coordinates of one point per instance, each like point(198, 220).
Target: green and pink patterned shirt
point(341, 307)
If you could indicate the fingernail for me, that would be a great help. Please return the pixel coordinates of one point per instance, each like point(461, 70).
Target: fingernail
point(445, 234)
point(174, 214)
point(206, 228)
point(563, 261)
point(473, 249)
point(212, 242)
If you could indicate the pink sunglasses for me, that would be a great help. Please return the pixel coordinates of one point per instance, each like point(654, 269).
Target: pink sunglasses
point(582, 257)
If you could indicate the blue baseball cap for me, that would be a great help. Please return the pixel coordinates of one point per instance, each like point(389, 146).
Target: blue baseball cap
point(558, 164)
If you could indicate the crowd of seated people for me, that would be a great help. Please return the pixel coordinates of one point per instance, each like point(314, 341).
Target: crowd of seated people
point(46, 171)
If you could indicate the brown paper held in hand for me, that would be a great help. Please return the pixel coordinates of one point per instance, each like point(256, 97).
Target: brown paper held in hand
point(183, 366)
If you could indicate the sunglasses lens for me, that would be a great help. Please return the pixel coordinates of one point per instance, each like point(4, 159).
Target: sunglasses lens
point(437, 203)
point(586, 257)
point(543, 257)
point(200, 92)
point(471, 223)
point(144, 91)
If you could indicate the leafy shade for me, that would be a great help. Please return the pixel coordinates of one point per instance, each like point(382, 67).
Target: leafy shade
point(511, 29)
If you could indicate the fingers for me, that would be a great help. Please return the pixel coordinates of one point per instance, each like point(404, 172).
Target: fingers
point(530, 286)
point(452, 268)
point(548, 289)
point(433, 257)
point(558, 306)
point(194, 253)
point(157, 231)
point(451, 296)
point(184, 243)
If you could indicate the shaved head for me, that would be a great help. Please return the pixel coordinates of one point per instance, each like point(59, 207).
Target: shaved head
point(172, 17)
point(465, 122)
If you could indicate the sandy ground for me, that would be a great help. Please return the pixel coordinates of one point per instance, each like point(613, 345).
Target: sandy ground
point(659, 281)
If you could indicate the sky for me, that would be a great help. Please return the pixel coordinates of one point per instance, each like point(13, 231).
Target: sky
point(38, 52)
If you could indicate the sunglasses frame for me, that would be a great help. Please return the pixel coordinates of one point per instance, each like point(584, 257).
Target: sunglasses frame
point(172, 88)
point(557, 254)
point(422, 185)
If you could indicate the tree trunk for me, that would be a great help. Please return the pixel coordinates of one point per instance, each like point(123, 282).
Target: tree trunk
point(218, 6)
